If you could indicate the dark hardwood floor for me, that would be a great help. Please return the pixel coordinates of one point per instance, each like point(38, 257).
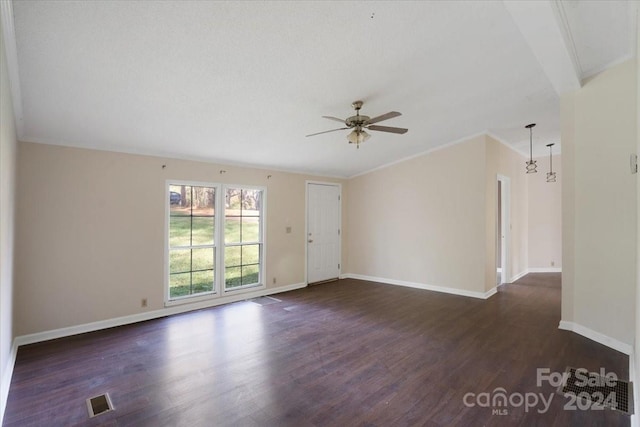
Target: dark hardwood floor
point(339, 354)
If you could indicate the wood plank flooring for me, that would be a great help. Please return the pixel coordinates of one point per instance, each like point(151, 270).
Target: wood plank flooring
point(348, 353)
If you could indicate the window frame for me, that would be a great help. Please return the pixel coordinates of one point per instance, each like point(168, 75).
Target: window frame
point(219, 283)
point(261, 241)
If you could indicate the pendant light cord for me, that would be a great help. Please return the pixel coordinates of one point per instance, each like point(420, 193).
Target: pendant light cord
point(530, 144)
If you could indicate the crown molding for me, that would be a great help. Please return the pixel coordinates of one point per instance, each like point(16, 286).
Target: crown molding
point(558, 7)
point(11, 52)
point(553, 48)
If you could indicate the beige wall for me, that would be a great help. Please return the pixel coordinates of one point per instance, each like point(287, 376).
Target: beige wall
point(90, 233)
point(431, 220)
point(545, 216)
point(506, 162)
point(91, 226)
point(7, 205)
point(636, 356)
point(567, 136)
point(422, 221)
point(599, 203)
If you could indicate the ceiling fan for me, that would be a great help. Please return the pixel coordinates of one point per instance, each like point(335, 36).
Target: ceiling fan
point(359, 123)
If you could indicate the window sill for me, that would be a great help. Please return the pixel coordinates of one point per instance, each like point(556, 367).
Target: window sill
point(248, 288)
point(226, 294)
point(189, 300)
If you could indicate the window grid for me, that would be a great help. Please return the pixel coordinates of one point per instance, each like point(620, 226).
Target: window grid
point(194, 263)
point(241, 244)
point(191, 246)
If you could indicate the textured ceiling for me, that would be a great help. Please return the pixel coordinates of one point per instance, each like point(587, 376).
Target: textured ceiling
point(600, 33)
point(244, 82)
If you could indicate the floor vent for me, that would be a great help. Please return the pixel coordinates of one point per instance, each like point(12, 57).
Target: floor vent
point(265, 300)
point(99, 405)
point(594, 390)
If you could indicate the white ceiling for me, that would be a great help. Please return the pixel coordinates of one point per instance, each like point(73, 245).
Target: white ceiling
point(244, 82)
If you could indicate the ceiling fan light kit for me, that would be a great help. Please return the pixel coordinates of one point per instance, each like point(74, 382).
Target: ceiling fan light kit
point(358, 136)
point(360, 125)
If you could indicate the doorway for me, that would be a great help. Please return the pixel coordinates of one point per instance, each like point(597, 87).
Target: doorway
point(323, 231)
point(503, 229)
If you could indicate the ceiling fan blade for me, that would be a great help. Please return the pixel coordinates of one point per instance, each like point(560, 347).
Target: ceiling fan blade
point(388, 129)
point(389, 115)
point(326, 131)
point(333, 118)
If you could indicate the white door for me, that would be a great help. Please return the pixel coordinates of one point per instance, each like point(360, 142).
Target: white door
point(323, 232)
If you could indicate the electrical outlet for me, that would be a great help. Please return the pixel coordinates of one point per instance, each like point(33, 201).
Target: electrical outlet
point(288, 229)
point(143, 302)
point(553, 263)
point(274, 280)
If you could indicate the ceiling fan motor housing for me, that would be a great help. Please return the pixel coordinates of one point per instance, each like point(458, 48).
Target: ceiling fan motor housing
point(357, 121)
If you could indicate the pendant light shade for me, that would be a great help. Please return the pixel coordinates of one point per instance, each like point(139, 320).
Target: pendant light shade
point(551, 175)
point(531, 164)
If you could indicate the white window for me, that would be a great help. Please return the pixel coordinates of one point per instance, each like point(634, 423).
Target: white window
point(243, 244)
point(192, 242)
point(194, 230)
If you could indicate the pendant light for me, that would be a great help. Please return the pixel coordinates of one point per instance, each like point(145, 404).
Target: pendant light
point(551, 175)
point(531, 164)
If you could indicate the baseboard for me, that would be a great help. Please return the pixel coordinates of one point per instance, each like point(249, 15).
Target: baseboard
point(544, 270)
point(491, 292)
point(443, 289)
point(6, 379)
point(535, 270)
point(596, 336)
point(141, 317)
point(518, 276)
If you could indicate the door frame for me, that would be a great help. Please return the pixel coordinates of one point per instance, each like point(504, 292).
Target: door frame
point(306, 225)
point(505, 206)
